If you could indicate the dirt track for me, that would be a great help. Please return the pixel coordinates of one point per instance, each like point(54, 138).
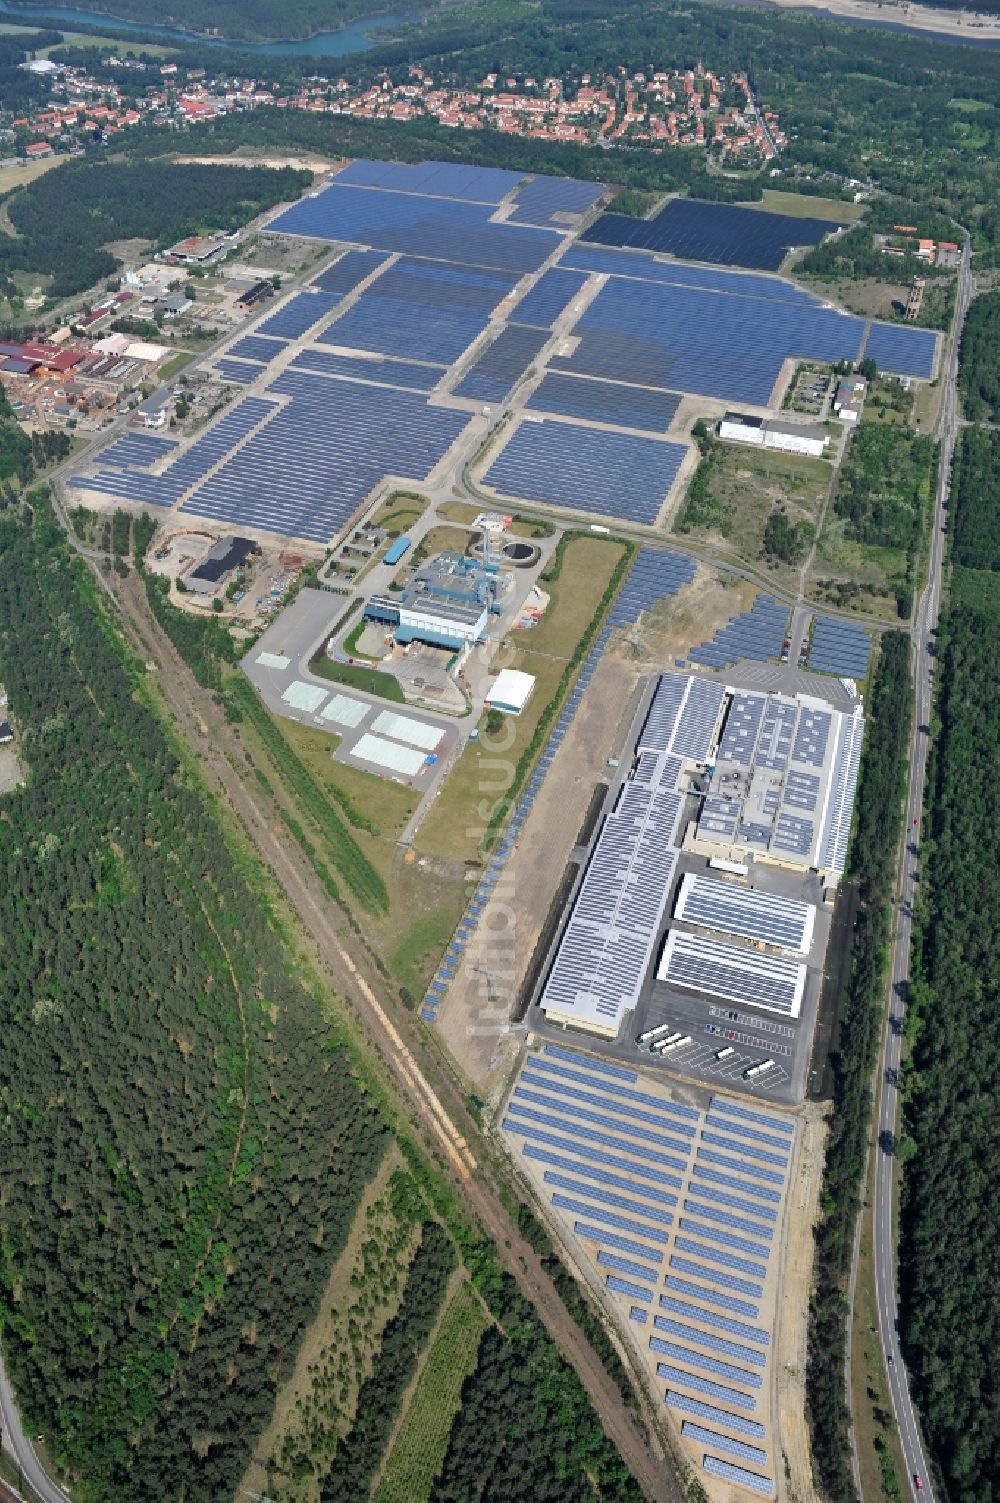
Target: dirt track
point(435, 1107)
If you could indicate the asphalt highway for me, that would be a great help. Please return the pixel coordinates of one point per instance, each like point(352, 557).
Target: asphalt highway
point(924, 630)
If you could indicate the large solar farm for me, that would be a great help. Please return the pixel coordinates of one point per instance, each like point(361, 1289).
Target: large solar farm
point(456, 297)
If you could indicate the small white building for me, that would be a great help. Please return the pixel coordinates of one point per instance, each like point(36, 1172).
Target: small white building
point(774, 433)
point(742, 428)
point(511, 691)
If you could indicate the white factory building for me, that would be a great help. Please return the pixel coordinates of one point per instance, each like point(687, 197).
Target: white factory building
point(772, 433)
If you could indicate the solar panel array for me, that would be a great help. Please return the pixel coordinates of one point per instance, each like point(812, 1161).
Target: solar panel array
point(606, 474)
point(349, 271)
point(187, 468)
point(553, 202)
point(704, 965)
point(836, 830)
point(746, 912)
point(500, 367)
point(417, 226)
point(485, 185)
point(140, 450)
point(605, 402)
point(721, 233)
point(758, 634)
point(637, 264)
point(383, 370)
point(242, 372)
point(839, 647)
point(904, 350)
point(311, 466)
point(425, 310)
point(300, 313)
point(548, 298)
point(256, 347)
point(655, 574)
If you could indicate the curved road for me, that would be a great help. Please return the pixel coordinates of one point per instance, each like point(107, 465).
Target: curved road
point(924, 631)
point(17, 1445)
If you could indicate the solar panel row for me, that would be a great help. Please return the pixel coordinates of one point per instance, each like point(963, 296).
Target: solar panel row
point(300, 313)
point(548, 298)
point(721, 233)
point(607, 474)
point(349, 271)
point(486, 185)
point(605, 402)
point(382, 371)
point(501, 365)
point(553, 202)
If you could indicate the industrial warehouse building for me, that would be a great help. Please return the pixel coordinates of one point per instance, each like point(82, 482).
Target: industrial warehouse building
point(511, 691)
point(728, 774)
point(225, 556)
point(447, 603)
point(772, 433)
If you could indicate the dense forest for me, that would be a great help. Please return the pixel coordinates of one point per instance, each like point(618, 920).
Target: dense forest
point(873, 856)
point(185, 1142)
point(22, 454)
point(20, 90)
point(979, 369)
point(65, 219)
point(951, 1147)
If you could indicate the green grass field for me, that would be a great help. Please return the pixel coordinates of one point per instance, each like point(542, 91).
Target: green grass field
point(801, 206)
point(422, 1438)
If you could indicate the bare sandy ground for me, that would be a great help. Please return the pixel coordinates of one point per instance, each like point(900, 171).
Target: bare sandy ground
point(920, 17)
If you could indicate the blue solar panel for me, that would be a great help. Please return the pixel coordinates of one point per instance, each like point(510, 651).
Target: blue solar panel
point(546, 1119)
point(681, 1379)
point(612, 1239)
point(739, 1475)
point(717, 1416)
point(839, 647)
point(620, 1286)
point(417, 226)
point(349, 271)
point(299, 314)
point(738, 1202)
point(573, 1106)
point(716, 1255)
point(725, 1443)
point(694, 339)
point(139, 450)
point(758, 634)
point(638, 264)
point(612, 1218)
point(725, 234)
point(587, 1150)
point(486, 185)
point(502, 365)
point(726, 1218)
point(625, 1265)
point(744, 1130)
point(776, 1124)
point(905, 351)
point(382, 371)
point(704, 1363)
point(601, 1067)
point(605, 402)
point(550, 296)
point(710, 1296)
point(240, 371)
point(706, 1339)
point(582, 1076)
point(720, 1141)
point(607, 1197)
point(611, 474)
point(553, 202)
point(715, 1275)
point(712, 1317)
point(306, 472)
point(601, 1176)
point(257, 347)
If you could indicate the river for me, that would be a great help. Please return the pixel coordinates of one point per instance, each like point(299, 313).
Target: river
point(357, 37)
point(362, 34)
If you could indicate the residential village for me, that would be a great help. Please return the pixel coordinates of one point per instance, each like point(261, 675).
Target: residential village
point(655, 108)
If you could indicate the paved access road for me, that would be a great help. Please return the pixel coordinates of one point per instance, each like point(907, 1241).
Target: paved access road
point(924, 632)
point(17, 1445)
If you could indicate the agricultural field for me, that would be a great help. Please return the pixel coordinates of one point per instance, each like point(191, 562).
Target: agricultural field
point(421, 1440)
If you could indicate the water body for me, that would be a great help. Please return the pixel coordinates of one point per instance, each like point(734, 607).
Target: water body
point(357, 37)
point(362, 34)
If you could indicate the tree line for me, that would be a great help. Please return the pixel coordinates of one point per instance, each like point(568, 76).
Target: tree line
point(979, 368)
point(874, 847)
